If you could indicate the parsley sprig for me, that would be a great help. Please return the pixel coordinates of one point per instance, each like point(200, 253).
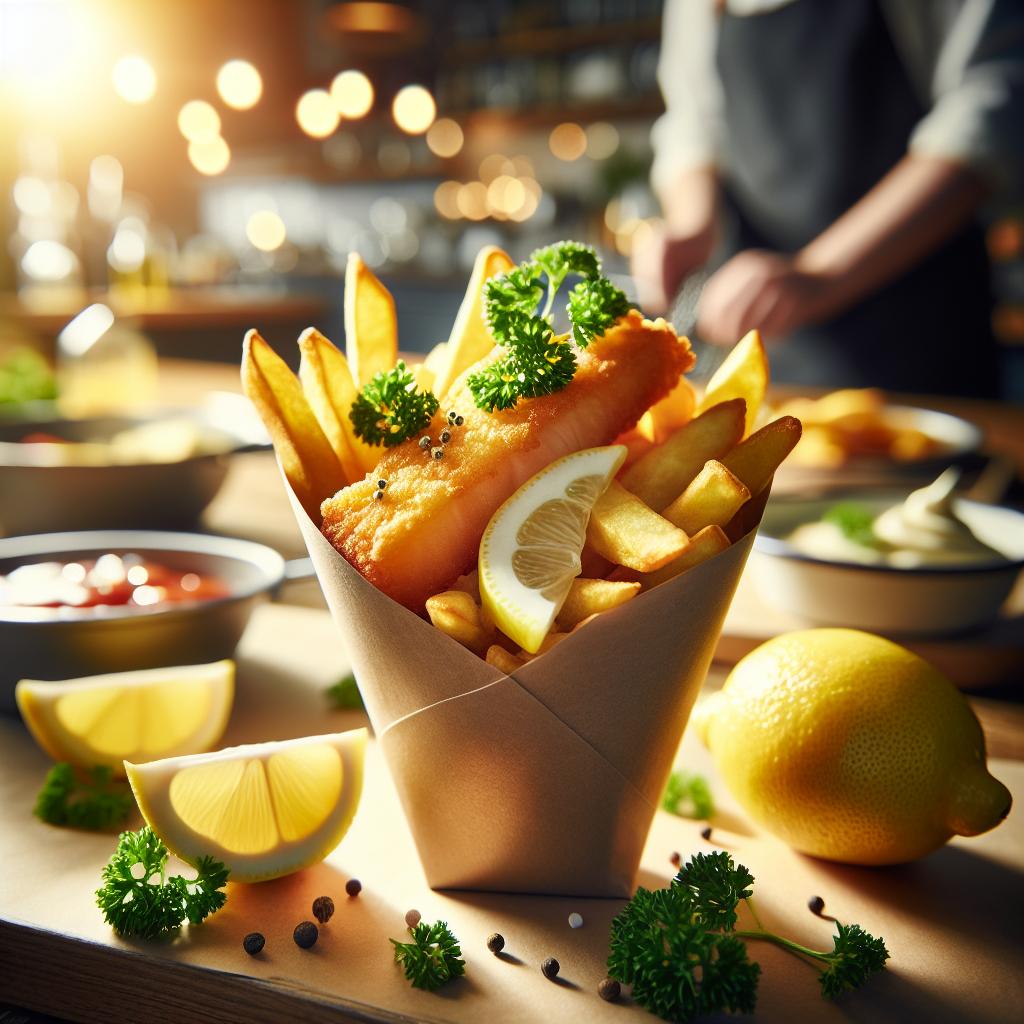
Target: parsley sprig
point(345, 695)
point(138, 897)
point(94, 801)
point(390, 408)
point(680, 950)
point(855, 521)
point(688, 795)
point(432, 958)
point(538, 361)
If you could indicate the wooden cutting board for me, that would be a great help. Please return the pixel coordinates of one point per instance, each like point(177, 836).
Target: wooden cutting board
point(951, 921)
point(974, 661)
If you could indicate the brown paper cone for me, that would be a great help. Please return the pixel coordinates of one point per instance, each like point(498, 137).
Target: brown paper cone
point(545, 781)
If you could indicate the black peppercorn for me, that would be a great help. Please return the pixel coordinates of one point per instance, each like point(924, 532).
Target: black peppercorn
point(377, 495)
point(253, 943)
point(815, 904)
point(425, 442)
point(459, 420)
point(323, 909)
point(305, 935)
point(550, 968)
point(705, 833)
point(353, 887)
point(609, 990)
point(437, 453)
point(381, 484)
point(495, 942)
point(452, 415)
point(446, 436)
point(675, 860)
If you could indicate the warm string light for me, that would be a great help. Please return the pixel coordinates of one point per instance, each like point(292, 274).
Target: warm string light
point(266, 231)
point(239, 84)
point(199, 122)
point(352, 93)
point(445, 138)
point(413, 109)
point(317, 114)
point(210, 157)
point(134, 79)
point(567, 141)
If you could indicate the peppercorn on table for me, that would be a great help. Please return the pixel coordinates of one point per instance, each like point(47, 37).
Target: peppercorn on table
point(950, 921)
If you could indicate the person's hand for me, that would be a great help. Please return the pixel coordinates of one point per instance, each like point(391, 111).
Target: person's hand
point(661, 261)
point(761, 289)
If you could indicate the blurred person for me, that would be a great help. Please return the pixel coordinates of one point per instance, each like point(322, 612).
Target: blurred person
point(827, 159)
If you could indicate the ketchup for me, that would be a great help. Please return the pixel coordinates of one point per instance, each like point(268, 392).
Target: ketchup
point(129, 581)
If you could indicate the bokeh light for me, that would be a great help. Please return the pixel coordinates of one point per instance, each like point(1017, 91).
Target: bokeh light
point(316, 113)
point(239, 84)
point(210, 157)
point(266, 230)
point(413, 109)
point(352, 93)
point(446, 199)
point(134, 79)
point(445, 138)
point(198, 121)
point(602, 140)
point(49, 261)
point(33, 196)
point(472, 200)
point(568, 141)
point(494, 165)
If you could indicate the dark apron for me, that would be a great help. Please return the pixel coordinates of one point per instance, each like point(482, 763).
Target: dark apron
point(818, 108)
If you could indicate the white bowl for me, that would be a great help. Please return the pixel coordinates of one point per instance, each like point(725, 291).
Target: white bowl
point(923, 601)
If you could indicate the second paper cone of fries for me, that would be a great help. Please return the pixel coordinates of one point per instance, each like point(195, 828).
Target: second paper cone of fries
point(537, 770)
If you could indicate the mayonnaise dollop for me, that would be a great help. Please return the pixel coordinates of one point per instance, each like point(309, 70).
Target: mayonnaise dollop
point(922, 530)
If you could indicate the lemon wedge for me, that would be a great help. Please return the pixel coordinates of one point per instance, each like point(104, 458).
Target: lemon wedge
point(136, 716)
point(264, 810)
point(530, 551)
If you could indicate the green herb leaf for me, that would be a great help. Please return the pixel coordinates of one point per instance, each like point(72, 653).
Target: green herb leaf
point(715, 886)
point(856, 521)
point(539, 362)
point(688, 795)
point(344, 694)
point(25, 376)
point(433, 956)
point(138, 899)
point(95, 802)
point(390, 409)
point(855, 956)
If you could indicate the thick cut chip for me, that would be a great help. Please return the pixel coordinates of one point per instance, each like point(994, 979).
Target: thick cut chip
point(371, 326)
point(704, 545)
point(530, 550)
point(330, 389)
point(743, 374)
point(307, 458)
point(660, 476)
point(502, 660)
point(101, 720)
point(470, 339)
point(664, 418)
point(714, 496)
point(628, 532)
point(264, 810)
point(456, 613)
point(590, 597)
point(756, 459)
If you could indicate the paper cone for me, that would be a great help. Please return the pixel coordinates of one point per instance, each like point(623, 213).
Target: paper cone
point(545, 781)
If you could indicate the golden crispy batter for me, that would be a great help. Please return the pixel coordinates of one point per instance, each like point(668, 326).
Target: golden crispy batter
point(427, 529)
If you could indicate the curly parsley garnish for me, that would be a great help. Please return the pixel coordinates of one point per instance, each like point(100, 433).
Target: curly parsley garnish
point(538, 361)
point(390, 408)
point(95, 801)
point(433, 956)
point(138, 898)
point(855, 521)
point(688, 795)
point(680, 950)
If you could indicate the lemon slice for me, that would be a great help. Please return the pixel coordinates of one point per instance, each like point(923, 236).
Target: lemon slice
point(530, 551)
point(136, 716)
point(264, 810)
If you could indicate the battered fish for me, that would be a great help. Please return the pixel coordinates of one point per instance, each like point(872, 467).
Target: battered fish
point(426, 530)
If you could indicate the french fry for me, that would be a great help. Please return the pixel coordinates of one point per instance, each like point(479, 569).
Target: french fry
point(456, 613)
point(589, 597)
point(660, 476)
point(502, 660)
point(755, 460)
point(703, 545)
point(714, 496)
point(426, 372)
point(471, 339)
point(819, 447)
point(330, 390)
point(626, 531)
point(553, 638)
point(743, 374)
point(675, 410)
point(846, 402)
point(371, 326)
point(307, 458)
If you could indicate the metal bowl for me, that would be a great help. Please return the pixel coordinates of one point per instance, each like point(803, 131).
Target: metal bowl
point(925, 601)
point(39, 495)
point(61, 643)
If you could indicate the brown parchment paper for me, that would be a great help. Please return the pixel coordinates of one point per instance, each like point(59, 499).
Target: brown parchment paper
point(544, 781)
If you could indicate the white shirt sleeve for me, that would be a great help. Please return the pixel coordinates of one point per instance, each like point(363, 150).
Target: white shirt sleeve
point(973, 61)
point(689, 133)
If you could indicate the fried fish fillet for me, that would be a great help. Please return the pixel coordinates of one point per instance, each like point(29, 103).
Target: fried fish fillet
point(426, 529)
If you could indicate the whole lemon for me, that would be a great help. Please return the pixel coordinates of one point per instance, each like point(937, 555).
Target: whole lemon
point(851, 748)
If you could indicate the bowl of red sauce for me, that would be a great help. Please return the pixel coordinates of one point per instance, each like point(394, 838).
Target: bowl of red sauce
point(74, 604)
